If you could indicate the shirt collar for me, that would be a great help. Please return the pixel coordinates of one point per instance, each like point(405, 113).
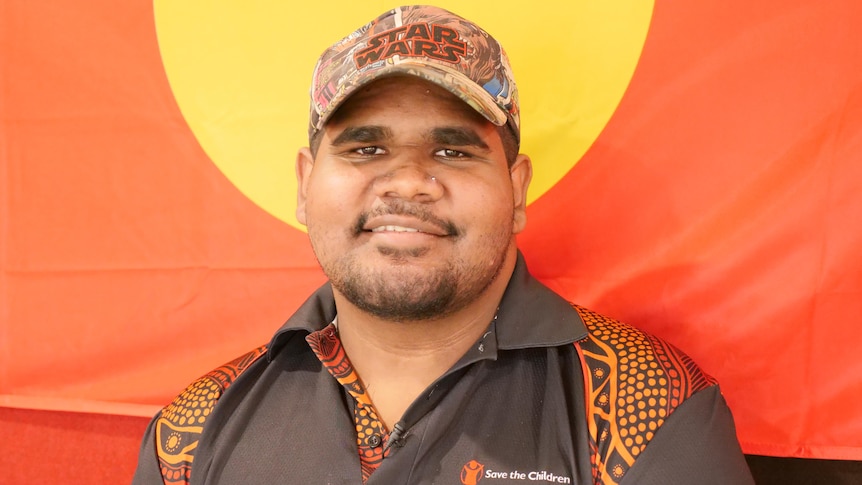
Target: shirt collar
point(530, 315)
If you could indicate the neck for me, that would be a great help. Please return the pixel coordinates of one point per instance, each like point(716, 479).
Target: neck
point(397, 361)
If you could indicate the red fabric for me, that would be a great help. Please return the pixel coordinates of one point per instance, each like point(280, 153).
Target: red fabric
point(68, 448)
point(718, 209)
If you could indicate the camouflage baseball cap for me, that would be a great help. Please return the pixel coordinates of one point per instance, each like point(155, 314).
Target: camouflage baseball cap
point(424, 41)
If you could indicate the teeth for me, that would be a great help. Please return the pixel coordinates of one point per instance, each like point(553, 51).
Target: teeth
point(393, 229)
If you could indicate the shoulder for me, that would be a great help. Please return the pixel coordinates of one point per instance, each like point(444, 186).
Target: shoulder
point(179, 425)
point(636, 356)
point(634, 381)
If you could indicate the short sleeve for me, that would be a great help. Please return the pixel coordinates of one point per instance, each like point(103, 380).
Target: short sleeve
point(696, 445)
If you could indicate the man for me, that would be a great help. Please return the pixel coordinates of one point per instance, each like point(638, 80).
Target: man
point(433, 356)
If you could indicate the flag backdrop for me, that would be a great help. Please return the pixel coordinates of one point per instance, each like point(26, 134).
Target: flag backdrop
point(698, 175)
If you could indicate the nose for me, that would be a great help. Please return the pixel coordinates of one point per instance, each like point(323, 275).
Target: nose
point(409, 181)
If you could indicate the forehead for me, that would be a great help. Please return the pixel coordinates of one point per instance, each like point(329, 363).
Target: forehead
point(404, 94)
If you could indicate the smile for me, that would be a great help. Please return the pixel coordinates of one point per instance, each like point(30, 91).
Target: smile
point(394, 229)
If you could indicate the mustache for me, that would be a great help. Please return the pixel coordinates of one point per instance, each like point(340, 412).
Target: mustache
point(401, 208)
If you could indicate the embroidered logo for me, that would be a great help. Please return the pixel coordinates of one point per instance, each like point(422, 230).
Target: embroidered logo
point(417, 40)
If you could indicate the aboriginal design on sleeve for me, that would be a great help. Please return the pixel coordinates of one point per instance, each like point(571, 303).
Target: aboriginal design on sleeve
point(633, 382)
point(371, 434)
point(179, 426)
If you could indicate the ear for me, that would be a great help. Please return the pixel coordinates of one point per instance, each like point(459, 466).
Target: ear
point(304, 166)
point(521, 173)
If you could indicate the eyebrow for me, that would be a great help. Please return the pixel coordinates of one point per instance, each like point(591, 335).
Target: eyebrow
point(363, 134)
point(457, 136)
point(446, 135)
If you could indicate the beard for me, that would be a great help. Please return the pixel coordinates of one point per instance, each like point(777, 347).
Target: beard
point(401, 292)
point(401, 295)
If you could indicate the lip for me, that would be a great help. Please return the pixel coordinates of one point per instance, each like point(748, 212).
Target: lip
point(406, 226)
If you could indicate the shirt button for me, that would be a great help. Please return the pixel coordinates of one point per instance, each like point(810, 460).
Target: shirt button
point(374, 441)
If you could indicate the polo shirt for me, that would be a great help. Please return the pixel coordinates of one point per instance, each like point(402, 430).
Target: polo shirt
point(551, 393)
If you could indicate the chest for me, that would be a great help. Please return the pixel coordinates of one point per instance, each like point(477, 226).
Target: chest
point(519, 419)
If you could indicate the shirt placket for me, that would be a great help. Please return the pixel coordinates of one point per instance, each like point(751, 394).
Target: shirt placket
point(371, 434)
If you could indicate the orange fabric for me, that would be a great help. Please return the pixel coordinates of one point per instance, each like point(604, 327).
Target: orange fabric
point(719, 210)
point(124, 247)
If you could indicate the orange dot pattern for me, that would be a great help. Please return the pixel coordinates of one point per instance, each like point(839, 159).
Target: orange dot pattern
point(371, 435)
point(633, 382)
point(181, 422)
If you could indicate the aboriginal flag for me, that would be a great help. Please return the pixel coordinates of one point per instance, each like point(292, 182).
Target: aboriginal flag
point(714, 199)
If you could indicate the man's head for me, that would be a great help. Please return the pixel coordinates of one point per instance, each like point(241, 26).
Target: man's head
point(410, 198)
point(427, 42)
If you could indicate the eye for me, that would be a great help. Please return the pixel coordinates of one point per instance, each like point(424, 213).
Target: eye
point(368, 151)
point(450, 153)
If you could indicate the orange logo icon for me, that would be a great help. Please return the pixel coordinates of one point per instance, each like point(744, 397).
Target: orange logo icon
point(472, 472)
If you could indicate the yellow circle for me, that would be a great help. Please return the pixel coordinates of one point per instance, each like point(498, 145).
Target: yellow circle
point(240, 73)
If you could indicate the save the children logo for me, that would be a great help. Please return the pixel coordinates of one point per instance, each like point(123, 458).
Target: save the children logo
point(473, 471)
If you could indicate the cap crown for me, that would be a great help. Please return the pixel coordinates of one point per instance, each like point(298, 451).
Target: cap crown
point(424, 41)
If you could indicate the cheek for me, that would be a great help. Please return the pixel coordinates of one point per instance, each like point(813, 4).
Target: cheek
point(490, 206)
point(333, 196)
point(494, 195)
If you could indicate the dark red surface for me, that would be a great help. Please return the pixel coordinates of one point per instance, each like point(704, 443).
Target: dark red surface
point(63, 448)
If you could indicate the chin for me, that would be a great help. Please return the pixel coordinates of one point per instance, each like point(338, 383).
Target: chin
point(402, 295)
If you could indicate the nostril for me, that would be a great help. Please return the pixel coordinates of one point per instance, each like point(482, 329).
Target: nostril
point(409, 181)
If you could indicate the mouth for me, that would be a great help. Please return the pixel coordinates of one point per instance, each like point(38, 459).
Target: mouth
point(407, 229)
point(394, 229)
point(419, 225)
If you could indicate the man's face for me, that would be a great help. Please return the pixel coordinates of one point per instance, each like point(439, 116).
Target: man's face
point(410, 205)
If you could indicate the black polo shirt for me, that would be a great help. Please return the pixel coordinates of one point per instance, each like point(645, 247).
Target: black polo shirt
point(552, 393)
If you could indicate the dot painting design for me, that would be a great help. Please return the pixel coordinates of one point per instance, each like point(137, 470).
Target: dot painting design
point(633, 383)
point(181, 422)
point(371, 435)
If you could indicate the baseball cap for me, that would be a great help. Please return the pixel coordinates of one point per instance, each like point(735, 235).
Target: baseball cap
point(425, 41)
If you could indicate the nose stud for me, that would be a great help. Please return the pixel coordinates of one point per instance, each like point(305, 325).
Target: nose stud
point(433, 179)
